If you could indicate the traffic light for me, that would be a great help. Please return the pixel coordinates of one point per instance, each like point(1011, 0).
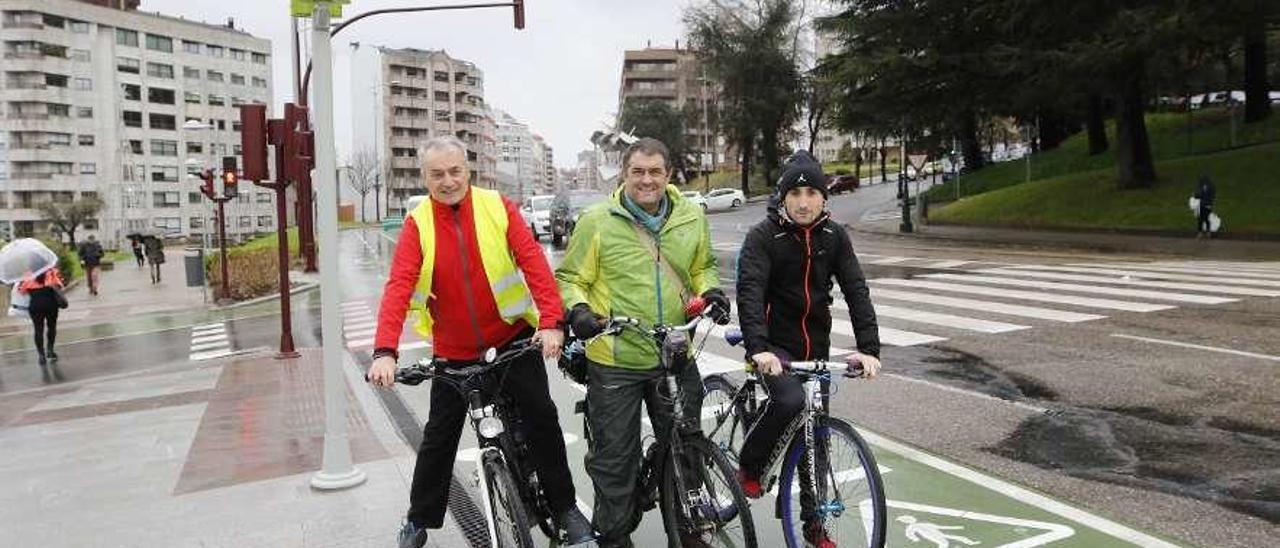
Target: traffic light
point(519, 7)
point(229, 177)
point(206, 186)
point(253, 141)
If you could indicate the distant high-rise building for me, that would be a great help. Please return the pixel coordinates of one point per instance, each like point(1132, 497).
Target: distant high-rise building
point(674, 76)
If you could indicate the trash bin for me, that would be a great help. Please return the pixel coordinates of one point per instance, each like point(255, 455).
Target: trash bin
point(195, 267)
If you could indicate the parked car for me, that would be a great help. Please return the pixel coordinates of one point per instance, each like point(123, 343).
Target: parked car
point(537, 210)
point(725, 198)
point(566, 209)
point(842, 183)
point(695, 197)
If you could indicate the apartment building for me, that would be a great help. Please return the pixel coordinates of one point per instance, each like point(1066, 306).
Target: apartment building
point(430, 93)
point(521, 158)
point(674, 76)
point(123, 105)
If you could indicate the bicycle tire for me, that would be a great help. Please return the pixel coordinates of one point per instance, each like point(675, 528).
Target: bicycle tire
point(728, 508)
point(506, 501)
point(852, 530)
point(727, 426)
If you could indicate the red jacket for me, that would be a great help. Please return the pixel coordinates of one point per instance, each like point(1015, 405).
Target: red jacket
point(460, 331)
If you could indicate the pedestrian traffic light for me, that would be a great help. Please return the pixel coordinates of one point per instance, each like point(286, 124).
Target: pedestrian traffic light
point(519, 7)
point(206, 185)
point(253, 141)
point(229, 177)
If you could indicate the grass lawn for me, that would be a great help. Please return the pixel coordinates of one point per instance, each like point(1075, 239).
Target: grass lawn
point(1248, 197)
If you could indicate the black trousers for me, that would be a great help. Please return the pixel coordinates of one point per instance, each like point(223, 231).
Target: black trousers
point(767, 437)
point(1202, 221)
point(42, 321)
point(526, 385)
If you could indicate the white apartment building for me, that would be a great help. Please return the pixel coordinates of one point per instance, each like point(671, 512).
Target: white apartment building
point(94, 103)
point(520, 158)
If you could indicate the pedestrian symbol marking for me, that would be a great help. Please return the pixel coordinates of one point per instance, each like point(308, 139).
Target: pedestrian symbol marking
point(932, 532)
point(940, 527)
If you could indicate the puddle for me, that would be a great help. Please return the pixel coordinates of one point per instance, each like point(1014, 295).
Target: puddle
point(968, 371)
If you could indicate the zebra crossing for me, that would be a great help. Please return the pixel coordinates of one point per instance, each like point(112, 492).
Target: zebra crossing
point(209, 341)
point(360, 324)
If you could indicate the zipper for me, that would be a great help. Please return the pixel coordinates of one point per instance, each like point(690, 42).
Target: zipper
point(804, 320)
point(466, 280)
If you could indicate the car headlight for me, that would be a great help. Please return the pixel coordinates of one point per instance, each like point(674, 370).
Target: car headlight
point(490, 427)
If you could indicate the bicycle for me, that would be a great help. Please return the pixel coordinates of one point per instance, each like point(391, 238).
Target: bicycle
point(511, 491)
point(694, 481)
point(848, 478)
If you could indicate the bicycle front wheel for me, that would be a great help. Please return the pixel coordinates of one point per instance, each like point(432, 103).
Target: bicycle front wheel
point(727, 422)
point(848, 503)
point(511, 522)
point(706, 503)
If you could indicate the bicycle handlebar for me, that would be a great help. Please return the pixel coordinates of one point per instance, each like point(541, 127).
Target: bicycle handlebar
point(425, 369)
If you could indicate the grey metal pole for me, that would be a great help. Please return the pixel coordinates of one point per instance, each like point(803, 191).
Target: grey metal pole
point(337, 471)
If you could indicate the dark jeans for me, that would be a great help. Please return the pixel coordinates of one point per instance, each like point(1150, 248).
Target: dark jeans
point(768, 437)
point(613, 460)
point(526, 386)
point(40, 321)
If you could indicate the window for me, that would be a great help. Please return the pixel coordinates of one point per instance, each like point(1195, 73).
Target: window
point(191, 97)
point(259, 58)
point(84, 112)
point(237, 79)
point(164, 174)
point(160, 70)
point(135, 146)
point(441, 76)
point(259, 82)
point(195, 222)
point(128, 64)
point(83, 84)
point(79, 27)
point(86, 140)
point(56, 80)
point(442, 96)
point(191, 47)
point(222, 125)
point(237, 54)
point(88, 168)
point(214, 51)
point(132, 92)
point(58, 139)
point(264, 221)
point(236, 150)
point(166, 199)
point(242, 198)
point(217, 100)
point(194, 197)
point(163, 121)
point(160, 96)
point(246, 221)
point(161, 147)
point(195, 147)
point(126, 37)
point(236, 101)
point(264, 197)
point(213, 75)
point(81, 55)
point(160, 43)
point(191, 73)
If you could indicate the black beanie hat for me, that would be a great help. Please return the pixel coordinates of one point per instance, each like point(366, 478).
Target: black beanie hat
point(801, 169)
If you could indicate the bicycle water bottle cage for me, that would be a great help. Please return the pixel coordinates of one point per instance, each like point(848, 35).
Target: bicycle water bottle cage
point(675, 348)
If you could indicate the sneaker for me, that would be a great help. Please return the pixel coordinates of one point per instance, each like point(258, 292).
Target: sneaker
point(576, 527)
point(750, 485)
point(42, 360)
point(412, 536)
point(53, 356)
point(816, 535)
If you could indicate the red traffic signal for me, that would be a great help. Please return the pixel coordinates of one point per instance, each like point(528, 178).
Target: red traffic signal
point(519, 8)
point(229, 177)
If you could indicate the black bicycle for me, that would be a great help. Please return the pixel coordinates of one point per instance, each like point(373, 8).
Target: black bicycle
point(512, 492)
point(694, 481)
point(846, 497)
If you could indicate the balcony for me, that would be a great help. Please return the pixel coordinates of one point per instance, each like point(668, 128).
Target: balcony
point(23, 25)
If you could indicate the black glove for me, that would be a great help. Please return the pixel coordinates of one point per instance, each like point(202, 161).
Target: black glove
point(585, 323)
point(718, 306)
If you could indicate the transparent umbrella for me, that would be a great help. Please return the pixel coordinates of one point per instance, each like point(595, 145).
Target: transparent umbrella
point(25, 257)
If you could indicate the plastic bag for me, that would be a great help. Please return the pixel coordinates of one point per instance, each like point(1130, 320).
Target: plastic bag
point(1194, 204)
point(18, 302)
point(1215, 222)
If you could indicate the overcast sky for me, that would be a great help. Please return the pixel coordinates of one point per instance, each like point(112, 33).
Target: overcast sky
point(560, 75)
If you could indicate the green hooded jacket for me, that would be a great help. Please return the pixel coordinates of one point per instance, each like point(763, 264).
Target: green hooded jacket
point(610, 269)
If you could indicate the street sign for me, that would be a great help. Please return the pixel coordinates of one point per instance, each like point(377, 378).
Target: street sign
point(304, 8)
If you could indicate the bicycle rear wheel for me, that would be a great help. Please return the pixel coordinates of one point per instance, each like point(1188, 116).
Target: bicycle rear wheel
point(849, 502)
point(511, 522)
point(708, 505)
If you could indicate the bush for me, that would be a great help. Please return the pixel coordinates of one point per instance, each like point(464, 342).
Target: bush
point(68, 260)
point(253, 273)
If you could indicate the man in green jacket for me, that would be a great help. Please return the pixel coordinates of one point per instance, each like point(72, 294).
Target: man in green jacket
point(610, 269)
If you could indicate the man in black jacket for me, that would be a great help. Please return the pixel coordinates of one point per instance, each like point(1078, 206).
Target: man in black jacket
point(785, 273)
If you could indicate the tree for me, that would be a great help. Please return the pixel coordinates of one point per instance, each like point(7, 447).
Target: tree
point(66, 218)
point(656, 119)
point(362, 175)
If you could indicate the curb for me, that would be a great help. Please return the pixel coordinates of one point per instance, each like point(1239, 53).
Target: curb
point(298, 288)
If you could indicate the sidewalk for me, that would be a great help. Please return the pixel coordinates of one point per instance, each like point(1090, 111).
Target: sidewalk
point(217, 454)
point(1104, 242)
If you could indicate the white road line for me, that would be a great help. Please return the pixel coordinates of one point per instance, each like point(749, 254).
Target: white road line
point(1265, 267)
point(1093, 302)
point(208, 326)
point(888, 335)
point(710, 363)
point(1224, 289)
point(972, 393)
point(353, 334)
point(207, 330)
point(209, 346)
point(1154, 275)
point(947, 264)
point(361, 325)
point(416, 345)
point(1158, 295)
point(366, 343)
point(198, 356)
point(1018, 493)
point(986, 306)
point(209, 338)
point(1200, 347)
point(1189, 270)
point(946, 320)
point(891, 260)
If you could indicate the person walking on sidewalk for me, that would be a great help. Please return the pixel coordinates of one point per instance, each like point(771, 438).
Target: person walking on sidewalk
point(155, 256)
point(1206, 193)
point(610, 266)
point(477, 279)
point(785, 270)
point(90, 252)
point(137, 251)
point(45, 290)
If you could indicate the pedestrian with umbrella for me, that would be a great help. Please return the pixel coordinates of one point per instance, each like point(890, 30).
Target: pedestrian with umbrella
point(33, 268)
point(155, 255)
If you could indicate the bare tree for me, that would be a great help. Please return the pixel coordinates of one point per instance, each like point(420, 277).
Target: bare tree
point(65, 218)
point(364, 174)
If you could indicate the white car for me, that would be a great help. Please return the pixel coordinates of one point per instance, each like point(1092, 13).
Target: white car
point(725, 198)
point(537, 210)
point(695, 197)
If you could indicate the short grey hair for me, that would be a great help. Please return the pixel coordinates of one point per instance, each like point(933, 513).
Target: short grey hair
point(440, 143)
